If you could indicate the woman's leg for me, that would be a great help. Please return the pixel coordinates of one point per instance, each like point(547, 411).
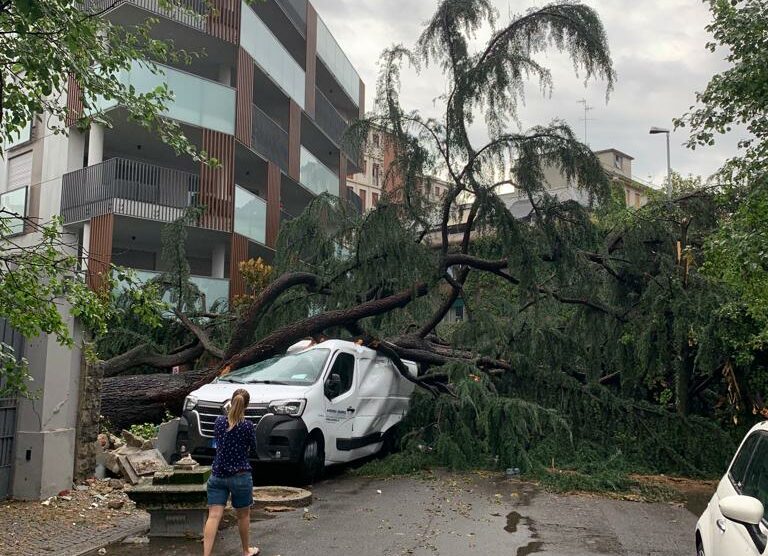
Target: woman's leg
point(242, 499)
point(243, 527)
point(211, 528)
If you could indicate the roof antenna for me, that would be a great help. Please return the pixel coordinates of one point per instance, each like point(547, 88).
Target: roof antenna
point(586, 118)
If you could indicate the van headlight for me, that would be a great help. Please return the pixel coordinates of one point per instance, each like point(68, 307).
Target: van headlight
point(190, 403)
point(288, 407)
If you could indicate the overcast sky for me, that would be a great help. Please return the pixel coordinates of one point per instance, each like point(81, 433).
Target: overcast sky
point(658, 51)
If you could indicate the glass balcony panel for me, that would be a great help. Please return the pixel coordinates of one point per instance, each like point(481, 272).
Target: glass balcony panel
point(274, 59)
point(250, 215)
point(269, 139)
point(214, 289)
point(296, 10)
point(316, 176)
point(197, 101)
point(333, 56)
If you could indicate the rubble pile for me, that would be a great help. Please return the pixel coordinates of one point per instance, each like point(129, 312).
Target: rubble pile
point(129, 457)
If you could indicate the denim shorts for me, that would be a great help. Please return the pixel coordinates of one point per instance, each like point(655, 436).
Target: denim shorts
point(240, 486)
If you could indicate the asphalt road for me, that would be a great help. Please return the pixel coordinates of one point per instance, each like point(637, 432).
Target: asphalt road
point(454, 515)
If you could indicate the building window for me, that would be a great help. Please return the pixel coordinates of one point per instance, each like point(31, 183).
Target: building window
point(376, 172)
point(637, 199)
point(12, 203)
point(365, 167)
point(374, 199)
point(376, 140)
point(350, 193)
point(618, 161)
point(362, 199)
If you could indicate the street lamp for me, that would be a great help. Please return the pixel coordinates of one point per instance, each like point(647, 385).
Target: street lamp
point(655, 131)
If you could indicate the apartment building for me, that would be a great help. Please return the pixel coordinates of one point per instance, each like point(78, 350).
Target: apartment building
point(618, 167)
point(377, 178)
point(270, 100)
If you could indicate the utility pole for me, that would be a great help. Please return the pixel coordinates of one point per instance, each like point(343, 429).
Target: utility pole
point(587, 109)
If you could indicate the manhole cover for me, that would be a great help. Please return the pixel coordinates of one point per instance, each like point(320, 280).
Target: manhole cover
point(277, 496)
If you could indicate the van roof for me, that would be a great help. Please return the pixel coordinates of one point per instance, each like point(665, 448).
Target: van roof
point(336, 344)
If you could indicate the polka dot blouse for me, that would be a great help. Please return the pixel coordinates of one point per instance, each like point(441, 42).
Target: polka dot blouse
point(232, 447)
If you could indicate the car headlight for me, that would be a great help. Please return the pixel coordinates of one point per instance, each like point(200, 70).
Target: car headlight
point(293, 407)
point(190, 403)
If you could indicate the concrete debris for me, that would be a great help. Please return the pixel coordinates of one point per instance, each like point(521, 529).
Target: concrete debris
point(115, 504)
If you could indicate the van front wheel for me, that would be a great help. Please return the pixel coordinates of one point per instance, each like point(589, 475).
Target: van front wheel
point(312, 460)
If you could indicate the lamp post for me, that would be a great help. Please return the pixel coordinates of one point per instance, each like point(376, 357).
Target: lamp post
point(655, 131)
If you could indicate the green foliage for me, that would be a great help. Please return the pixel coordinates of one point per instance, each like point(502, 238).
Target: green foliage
point(44, 42)
point(147, 431)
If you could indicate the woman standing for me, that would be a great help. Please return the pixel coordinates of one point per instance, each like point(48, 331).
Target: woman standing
point(231, 473)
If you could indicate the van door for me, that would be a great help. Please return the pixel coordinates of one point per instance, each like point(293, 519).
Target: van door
point(340, 396)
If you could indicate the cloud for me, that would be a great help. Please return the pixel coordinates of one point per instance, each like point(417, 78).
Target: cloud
point(658, 51)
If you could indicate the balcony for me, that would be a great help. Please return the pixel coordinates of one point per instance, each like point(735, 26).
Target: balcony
point(328, 118)
point(316, 176)
point(250, 215)
point(271, 55)
point(128, 188)
point(214, 289)
point(296, 10)
point(187, 12)
point(197, 101)
point(269, 139)
point(337, 62)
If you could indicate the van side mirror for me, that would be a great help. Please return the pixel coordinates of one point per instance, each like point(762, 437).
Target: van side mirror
point(333, 386)
point(742, 509)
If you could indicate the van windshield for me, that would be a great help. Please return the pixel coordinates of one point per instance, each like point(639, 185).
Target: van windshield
point(293, 369)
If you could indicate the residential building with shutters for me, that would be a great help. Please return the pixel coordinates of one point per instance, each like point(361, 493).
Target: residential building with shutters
point(377, 177)
point(270, 100)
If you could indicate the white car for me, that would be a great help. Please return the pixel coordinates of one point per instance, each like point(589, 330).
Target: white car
point(317, 405)
point(735, 522)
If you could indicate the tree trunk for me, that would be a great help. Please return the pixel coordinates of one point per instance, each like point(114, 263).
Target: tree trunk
point(126, 400)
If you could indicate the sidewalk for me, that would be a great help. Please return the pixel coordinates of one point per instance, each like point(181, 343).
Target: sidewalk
point(76, 522)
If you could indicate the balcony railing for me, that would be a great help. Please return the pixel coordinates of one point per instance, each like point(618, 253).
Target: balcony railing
point(296, 10)
point(337, 62)
point(196, 100)
point(250, 215)
point(128, 188)
point(214, 289)
point(269, 138)
point(328, 118)
point(316, 176)
point(187, 12)
point(271, 55)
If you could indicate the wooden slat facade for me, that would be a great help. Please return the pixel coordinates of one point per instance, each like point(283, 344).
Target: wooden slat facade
point(238, 254)
point(273, 204)
point(100, 250)
point(311, 70)
point(224, 21)
point(74, 101)
point(217, 185)
point(294, 141)
point(244, 116)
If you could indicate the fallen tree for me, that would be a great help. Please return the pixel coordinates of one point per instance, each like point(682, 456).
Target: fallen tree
point(606, 299)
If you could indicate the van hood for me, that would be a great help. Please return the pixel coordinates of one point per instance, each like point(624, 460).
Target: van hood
point(221, 392)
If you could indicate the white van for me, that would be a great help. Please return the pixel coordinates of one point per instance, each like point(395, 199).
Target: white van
point(319, 404)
